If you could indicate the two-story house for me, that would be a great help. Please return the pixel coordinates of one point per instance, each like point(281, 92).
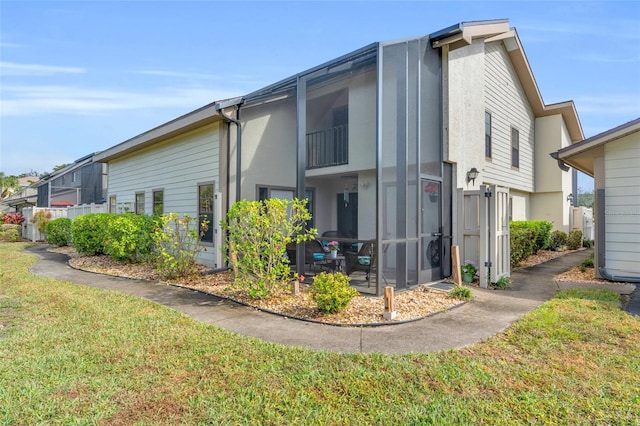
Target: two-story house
point(81, 182)
point(384, 141)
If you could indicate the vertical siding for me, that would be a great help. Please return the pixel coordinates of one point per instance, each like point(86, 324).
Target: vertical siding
point(509, 108)
point(622, 205)
point(176, 166)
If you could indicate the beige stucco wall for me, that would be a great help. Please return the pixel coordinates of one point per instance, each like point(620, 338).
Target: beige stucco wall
point(465, 91)
point(552, 184)
point(361, 95)
point(268, 146)
point(520, 205)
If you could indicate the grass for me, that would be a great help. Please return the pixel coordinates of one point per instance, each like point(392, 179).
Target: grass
point(72, 354)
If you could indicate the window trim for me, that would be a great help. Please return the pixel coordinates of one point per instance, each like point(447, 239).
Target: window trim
point(212, 226)
point(153, 200)
point(488, 145)
point(515, 148)
point(139, 208)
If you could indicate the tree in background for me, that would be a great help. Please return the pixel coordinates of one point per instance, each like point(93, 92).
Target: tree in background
point(585, 199)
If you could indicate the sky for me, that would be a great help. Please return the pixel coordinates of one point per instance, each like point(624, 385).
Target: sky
point(77, 77)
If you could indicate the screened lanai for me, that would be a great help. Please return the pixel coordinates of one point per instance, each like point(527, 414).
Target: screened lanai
point(360, 136)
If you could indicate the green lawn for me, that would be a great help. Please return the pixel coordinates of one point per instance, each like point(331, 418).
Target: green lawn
point(71, 354)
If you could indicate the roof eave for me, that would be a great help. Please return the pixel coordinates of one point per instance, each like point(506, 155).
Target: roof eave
point(190, 121)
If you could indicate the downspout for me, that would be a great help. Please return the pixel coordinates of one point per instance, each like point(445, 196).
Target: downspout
point(235, 121)
point(610, 277)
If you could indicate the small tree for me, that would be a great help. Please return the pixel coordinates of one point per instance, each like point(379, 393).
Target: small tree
point(258, 234)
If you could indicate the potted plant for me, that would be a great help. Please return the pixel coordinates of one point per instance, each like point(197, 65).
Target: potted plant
point(333, 248)
point(468, 270)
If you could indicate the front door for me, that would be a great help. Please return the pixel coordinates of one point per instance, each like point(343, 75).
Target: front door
point(431, 231)
point(348, 215)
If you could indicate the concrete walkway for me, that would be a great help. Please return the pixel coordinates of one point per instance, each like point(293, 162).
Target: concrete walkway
point(490, 312)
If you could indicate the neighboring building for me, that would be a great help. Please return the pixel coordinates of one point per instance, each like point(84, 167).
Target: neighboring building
point(15, 199)
point(82, 182)
point(381, 141)
point(612, 159)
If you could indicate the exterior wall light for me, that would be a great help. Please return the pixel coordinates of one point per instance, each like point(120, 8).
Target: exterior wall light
point(570, 199)
point(472, 175)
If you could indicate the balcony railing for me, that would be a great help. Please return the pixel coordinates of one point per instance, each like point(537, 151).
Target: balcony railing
point(327, 148)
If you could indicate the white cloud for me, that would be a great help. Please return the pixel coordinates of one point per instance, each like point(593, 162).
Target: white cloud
point(11, 68)
point(35, 100)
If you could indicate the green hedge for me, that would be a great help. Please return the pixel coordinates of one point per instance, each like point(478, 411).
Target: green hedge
point(89, 233)
point(125, 237)
point(58, 231)
point(527, 237)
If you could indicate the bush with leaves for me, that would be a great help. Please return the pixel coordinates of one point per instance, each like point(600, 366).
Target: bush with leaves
point(129, 237)
point(588, 262)
point(527, 237)
point(40, 220)
point(12, 219)
point(178, 243)
point(558, 239)
point(574, 239)
point(88, 233)
point(10, 232)
point(58, 231)
point(332, 292)
point(258, 234)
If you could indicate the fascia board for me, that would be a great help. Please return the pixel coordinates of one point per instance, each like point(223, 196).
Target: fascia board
point(205, 115)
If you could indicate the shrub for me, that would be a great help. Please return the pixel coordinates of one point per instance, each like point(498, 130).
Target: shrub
point(40, 220)
point(12, 219)
point(129, 237)
point(587, 263)
point(332, 292)
point(259, 232)
point(58, 231)
point(521, 240)
point(502, 283)
point(88, 232)
point(558, 239)
point(587, 243)
point(10, 232)
point(574, 239)
point(177, 241)
point(527, 237)
point(460, 292)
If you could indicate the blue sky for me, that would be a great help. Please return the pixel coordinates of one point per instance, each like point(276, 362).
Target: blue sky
point(80, 76)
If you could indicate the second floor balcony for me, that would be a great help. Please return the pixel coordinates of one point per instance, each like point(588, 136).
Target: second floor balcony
point(329, 147)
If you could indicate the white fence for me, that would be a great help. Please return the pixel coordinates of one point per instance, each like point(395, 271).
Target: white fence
point(582, 218)
point(75, 211)
point(30, 229)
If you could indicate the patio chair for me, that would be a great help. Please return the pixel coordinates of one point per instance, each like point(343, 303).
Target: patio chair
point(310, 249)
point(364, 260)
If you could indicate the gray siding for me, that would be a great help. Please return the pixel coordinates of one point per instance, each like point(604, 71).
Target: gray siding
point(622, 205)
point(508, 105)
point(175, 166)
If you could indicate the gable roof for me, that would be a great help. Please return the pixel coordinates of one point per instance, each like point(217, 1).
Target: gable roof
point(189, 121)
point(581, 155)
point(463, 34)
